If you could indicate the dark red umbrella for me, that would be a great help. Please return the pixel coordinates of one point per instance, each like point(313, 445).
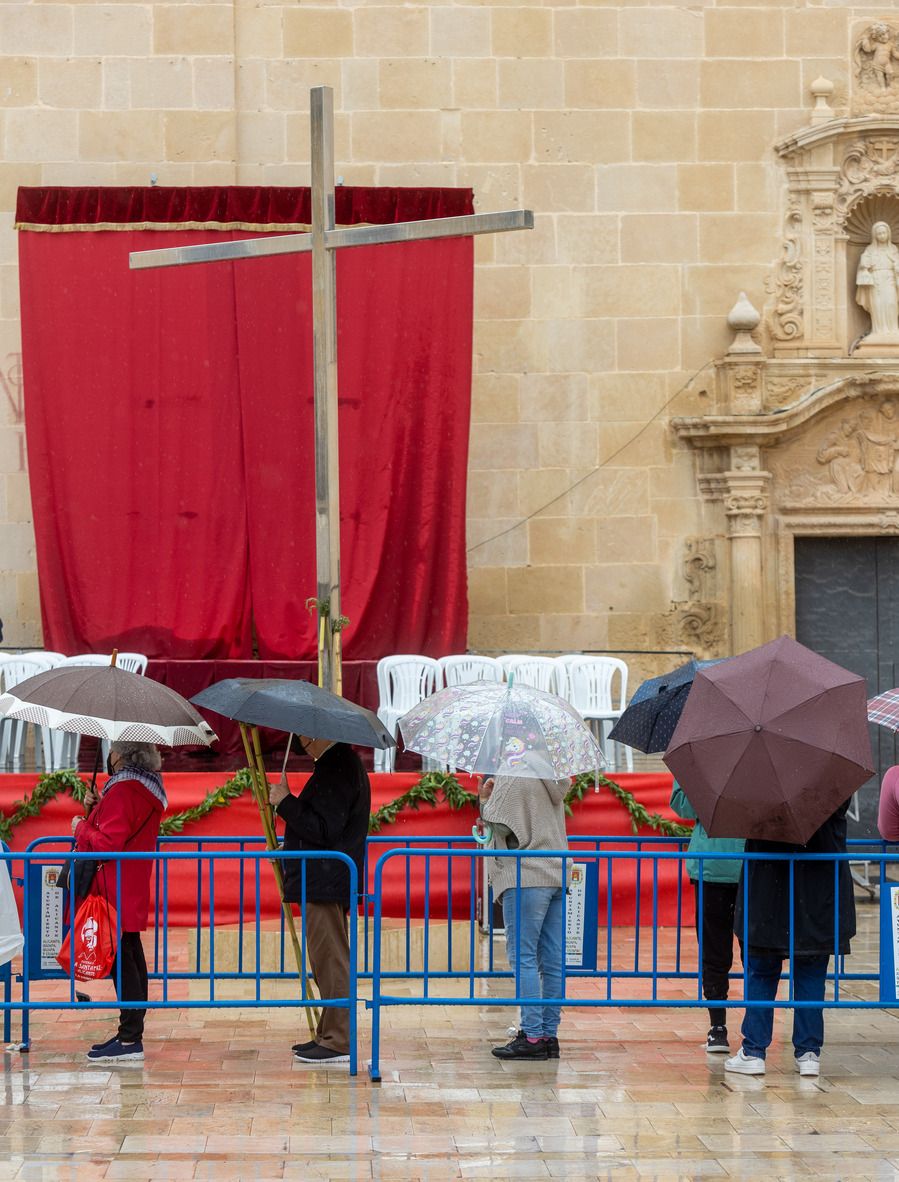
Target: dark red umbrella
point(771, 743)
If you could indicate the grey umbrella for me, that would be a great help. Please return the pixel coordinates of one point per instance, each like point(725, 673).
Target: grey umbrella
point(298, 707)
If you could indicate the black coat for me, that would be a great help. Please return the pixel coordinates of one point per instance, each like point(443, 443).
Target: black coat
point(813, 896)
point(331, 813)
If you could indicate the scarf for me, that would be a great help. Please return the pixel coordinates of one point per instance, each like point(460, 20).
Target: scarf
point(152, 781)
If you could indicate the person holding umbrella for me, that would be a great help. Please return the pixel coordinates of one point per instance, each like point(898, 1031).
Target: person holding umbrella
point(817, 934)
point(125, 817)
point(529, 814)
point(331, 813)
point(715, 918)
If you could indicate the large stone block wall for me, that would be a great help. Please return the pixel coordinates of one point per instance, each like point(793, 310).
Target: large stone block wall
point(642, 136)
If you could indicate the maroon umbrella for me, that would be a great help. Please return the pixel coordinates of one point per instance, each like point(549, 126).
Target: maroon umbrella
point(771, 743)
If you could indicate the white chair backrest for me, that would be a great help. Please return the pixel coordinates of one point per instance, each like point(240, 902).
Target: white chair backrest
point(133, 662)
point(16, 669)
point(563, 688)
point(539, 672)
point(40, 654)
point(466, 668)
point(591, 685)
point(88, 659)
point(405, 680)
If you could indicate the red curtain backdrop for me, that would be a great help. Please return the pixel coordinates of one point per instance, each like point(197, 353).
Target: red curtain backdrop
point(170, 429)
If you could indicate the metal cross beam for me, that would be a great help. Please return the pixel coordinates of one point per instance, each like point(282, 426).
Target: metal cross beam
point(322, 241)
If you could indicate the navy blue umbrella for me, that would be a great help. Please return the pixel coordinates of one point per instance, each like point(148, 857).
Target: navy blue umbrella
point(655, 709)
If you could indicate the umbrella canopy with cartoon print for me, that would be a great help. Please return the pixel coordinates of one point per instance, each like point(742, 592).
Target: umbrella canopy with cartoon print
point(489, 728)
point(771, 743)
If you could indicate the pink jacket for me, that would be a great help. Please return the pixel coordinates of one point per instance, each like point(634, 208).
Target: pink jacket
point(126, 820)
point(888, 813)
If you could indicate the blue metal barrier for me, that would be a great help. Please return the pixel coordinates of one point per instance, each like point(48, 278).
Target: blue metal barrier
point(663, 981)
point(37, 963)
point(6, 969)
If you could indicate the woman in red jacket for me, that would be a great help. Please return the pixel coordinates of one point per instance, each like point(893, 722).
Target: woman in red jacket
point(125, 819)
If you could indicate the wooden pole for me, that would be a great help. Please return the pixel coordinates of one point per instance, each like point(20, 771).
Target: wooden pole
point(259, 780)
point(324, 344)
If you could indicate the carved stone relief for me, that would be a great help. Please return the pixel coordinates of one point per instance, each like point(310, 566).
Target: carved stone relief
point(849, 457)
point(787, 287)
point(699, 568)
point(876, 70)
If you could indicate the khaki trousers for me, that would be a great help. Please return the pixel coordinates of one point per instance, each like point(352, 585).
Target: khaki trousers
point(328, 946)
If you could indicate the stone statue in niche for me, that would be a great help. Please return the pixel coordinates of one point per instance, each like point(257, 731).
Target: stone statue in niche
point(877, 286)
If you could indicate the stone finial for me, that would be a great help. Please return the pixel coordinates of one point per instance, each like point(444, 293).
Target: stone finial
point(822, 89)
point(743, 319)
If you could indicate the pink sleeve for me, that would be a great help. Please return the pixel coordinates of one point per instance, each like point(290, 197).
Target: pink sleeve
point(888, 813)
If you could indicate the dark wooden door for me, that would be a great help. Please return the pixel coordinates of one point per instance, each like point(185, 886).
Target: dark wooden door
point(847, 609)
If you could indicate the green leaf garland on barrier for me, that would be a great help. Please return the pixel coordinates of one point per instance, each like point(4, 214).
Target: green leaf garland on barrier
point(429, 790)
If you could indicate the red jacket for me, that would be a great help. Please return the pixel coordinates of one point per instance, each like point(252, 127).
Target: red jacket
point(126, 820)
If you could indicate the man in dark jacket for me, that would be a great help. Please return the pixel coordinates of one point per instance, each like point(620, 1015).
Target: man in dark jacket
point(820, 930)
point(331, 813)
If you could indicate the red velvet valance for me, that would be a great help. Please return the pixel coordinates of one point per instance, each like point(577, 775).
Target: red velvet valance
point(226, 207)
point(169, 422)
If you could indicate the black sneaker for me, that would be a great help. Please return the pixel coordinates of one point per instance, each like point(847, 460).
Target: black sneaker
point(101, 1046)
point(317, 1054)
point(552, 1047)
point(520, 1048)
point(716, 1041)
point(299, 1047)
point(118, 1052)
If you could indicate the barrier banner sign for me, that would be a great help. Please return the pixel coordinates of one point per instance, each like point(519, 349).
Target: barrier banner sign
point(889, 943)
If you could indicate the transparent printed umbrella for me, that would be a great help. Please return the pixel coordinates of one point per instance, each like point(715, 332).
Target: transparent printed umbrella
point(487, 728)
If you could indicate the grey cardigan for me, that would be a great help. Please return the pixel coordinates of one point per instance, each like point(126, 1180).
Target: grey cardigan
point(534, 812)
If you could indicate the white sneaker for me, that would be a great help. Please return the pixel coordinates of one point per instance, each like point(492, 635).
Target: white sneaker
point(745, 1064)
point(808, 1064)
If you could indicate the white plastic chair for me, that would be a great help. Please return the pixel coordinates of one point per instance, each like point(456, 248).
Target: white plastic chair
point(563, 688)
point(404, 680)
point(41, 654)
point(527, 669)
point(591, 692)
point(133, 662)
point(466, 668)
point(13, 733)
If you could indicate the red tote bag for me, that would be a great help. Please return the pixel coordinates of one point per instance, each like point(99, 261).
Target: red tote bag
point(93, 933)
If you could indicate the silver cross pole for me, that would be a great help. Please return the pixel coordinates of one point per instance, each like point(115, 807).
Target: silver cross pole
point(323, 240)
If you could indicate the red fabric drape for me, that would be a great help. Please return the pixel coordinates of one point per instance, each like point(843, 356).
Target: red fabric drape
point(169, 426)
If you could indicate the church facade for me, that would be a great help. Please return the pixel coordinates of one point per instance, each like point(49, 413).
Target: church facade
point(686, 387)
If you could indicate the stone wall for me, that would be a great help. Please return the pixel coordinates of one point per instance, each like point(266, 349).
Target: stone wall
point(641, 135)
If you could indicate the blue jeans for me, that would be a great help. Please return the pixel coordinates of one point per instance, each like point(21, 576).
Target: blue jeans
point(763, 978)
point(539, 951)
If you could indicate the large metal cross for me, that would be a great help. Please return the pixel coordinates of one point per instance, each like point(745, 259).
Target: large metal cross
point(323, 241)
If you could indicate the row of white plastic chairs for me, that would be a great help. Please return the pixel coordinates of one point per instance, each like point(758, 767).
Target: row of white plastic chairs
point(52, 749)
point(595, 685)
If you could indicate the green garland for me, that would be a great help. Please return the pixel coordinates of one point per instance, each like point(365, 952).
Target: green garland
point(430, 790)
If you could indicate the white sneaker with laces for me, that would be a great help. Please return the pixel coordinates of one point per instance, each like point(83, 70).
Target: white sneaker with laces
point(808, 1064)
point(745, 1064)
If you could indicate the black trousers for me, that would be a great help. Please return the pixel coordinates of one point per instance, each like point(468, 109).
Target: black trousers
point(134, 985)
point(717, 921)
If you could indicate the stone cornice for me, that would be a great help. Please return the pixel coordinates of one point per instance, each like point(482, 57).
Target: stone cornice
point(769, 428)
point(823, 133)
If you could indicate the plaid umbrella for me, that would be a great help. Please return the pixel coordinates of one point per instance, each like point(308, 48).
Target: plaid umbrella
point(108, 703)
point(884, 709)
point(655, 709)
point(771, 743)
